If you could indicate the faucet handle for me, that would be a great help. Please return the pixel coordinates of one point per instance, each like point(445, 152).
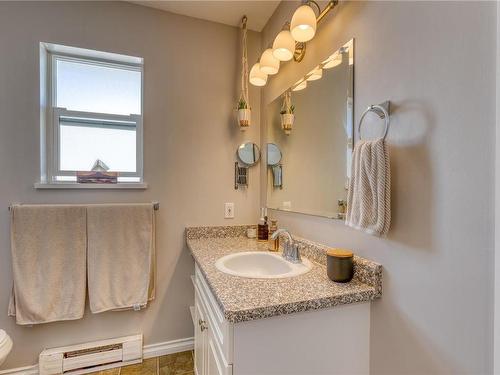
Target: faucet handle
point(291, 252)
point(286, 249)
point(295, 253)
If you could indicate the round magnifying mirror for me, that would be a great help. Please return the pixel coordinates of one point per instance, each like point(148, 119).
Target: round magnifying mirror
point(273, 154)
point(248, 153)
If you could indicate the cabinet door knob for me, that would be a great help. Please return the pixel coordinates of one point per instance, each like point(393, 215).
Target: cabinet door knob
point(203, 325)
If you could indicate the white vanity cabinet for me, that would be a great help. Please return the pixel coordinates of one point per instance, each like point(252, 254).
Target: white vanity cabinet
point(326, 341)
point(212, 333)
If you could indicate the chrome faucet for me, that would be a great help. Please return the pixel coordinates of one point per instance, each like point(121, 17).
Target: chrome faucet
point(290, 248)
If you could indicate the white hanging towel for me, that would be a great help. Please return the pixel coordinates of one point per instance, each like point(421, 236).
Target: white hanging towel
point(120, 256)
point(369, 195)
point(48, 244)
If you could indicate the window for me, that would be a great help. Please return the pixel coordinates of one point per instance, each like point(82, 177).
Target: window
point(92, 115)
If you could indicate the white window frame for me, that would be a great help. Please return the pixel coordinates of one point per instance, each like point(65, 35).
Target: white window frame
point(50, 140)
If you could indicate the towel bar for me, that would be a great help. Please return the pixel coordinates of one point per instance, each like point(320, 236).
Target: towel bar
point(156, 206)
point(382, 110)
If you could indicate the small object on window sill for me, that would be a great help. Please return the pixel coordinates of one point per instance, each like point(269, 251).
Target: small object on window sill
point(75, 185)
point(100, 166)
point(97, 177)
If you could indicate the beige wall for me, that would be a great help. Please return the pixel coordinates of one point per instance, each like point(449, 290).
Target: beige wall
point(436, 62)
point(190, 139)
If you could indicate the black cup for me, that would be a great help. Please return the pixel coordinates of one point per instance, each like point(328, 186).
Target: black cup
point(340, 265)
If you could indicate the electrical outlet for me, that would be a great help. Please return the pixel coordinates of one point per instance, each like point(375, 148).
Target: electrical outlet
point(229, 211)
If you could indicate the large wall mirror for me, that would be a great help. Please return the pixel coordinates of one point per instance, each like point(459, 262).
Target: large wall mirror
point(310, 126)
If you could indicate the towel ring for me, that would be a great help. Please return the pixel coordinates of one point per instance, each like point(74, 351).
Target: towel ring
point(382, 110)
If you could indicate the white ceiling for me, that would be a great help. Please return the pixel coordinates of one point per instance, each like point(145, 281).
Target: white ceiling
point(227, 12)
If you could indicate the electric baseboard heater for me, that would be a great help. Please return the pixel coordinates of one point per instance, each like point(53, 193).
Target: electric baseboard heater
point(92, 356)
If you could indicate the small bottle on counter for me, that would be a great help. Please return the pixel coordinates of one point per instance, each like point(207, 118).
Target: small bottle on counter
point(273, 245)
point(262, 227)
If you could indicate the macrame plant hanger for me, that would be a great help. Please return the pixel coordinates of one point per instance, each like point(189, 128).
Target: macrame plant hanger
point(287, 112)
point(244, 111)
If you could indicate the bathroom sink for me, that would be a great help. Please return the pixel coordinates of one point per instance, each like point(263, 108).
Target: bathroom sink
point(261, 265)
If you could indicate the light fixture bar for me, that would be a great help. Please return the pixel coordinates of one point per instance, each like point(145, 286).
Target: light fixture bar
point(331, 4)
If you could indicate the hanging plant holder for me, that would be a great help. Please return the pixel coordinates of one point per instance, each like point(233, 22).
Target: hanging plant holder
point(287, 120)
point(287, 113)
point(244, 118)
point(244, 110)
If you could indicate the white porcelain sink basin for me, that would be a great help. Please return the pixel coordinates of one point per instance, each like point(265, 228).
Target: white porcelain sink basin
point(261, 265)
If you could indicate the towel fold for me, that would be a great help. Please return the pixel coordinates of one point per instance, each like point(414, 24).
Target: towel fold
point(48, 245)
point(369, 195)
point(120, 256)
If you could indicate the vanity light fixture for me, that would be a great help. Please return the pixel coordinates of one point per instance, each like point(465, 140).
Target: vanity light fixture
point(300, 85)
point(284, 46)
point(315, 74)
point(257, 77)
point(291, 43)
point(268, 63)
point(303, 24)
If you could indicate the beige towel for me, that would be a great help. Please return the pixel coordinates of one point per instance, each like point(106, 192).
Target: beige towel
point(369, 195)
point(48, 244)
point(120, 256)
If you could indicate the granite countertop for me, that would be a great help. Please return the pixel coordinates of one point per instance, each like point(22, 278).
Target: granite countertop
point(243, 299)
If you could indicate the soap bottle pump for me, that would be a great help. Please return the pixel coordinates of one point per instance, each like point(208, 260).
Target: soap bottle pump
point(262, 227)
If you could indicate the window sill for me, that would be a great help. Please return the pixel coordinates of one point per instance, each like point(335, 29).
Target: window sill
point(75, 185)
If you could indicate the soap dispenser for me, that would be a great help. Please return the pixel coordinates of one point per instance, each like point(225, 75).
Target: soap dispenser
point(262, 227)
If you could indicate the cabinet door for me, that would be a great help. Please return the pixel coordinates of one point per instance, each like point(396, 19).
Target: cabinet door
point(215, 363)
point(200, 338)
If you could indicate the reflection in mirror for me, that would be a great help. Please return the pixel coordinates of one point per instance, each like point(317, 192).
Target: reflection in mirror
point(248, 153)
point(315, 147)
point(273, 161)
point(273, 154)
point(277, 176)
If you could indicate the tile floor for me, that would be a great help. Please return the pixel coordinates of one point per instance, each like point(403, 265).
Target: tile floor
point(171, 364)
